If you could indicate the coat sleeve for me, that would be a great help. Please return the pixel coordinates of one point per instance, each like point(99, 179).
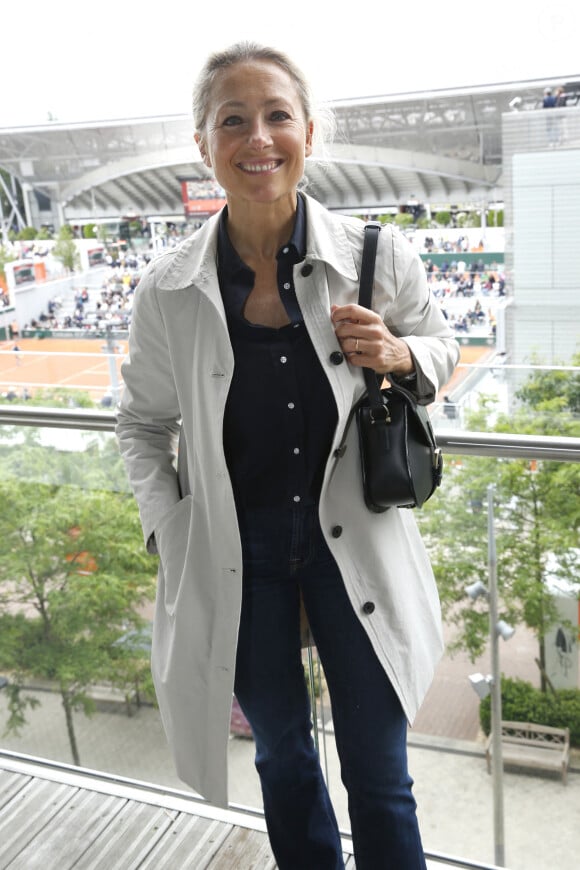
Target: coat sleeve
point(414, 315)
point(148, 414)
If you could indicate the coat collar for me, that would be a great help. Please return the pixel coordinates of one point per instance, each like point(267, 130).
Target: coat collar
point(191, 262)
point(194, 260)
point(327, 239)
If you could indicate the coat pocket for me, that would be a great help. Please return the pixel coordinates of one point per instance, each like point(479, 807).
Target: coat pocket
point(172, 538)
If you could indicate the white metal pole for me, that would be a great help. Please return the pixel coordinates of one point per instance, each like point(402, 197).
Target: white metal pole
point(111, 350)
point(496, 714)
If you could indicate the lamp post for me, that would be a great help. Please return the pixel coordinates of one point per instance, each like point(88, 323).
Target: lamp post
point(497, 759)
point(110, 349)
point(492, 684)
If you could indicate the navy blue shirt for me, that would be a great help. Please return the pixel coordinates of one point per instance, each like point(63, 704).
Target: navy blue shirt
point(280, 414)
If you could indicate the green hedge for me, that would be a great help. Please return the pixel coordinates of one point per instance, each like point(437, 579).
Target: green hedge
point(521, 702)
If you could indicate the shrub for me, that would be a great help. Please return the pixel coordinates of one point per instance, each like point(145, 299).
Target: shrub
point(27, 234)
point(521, 702)
point(404, 219)
point(443, 218)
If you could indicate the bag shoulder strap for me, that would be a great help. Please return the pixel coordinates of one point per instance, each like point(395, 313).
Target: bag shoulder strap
point(367, 269)
point(365, 297)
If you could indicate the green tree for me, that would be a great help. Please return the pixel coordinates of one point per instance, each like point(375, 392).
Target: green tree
point(404, 219)
point(554, 394)
point(60, 397)
point(89, 231)
point(5, 257)
point(27, 234)
point(73, 579)
point(537, 518)
point(65, 249)
point(129, 667)
point(89, 460)
point(443, 218)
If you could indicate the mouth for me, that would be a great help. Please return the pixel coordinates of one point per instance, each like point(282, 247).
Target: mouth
point(259, 168)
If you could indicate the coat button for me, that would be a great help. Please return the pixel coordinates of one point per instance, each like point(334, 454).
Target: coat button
point(336, 531)
point(306, 270)
point(368, 607)
point(336, 357)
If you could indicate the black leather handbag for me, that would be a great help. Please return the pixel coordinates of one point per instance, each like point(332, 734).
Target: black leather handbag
point(400, 461)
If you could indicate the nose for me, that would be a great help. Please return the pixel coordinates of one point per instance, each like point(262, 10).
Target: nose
point(259, 134)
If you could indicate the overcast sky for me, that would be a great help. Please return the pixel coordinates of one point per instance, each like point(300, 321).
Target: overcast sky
point(76, 61)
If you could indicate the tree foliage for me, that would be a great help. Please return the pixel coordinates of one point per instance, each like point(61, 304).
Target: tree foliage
point(536, 517)
point(54, 397)
point(74, 577)
point(27, 234)
point(65, 249)
point(5, 257)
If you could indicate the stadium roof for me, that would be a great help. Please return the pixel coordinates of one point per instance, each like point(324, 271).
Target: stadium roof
point(437, 147)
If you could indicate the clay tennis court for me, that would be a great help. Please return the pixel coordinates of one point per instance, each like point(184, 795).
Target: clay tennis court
point(81, 364)
point(84, 364)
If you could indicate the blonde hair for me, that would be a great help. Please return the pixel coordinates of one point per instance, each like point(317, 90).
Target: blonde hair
point(243, 52)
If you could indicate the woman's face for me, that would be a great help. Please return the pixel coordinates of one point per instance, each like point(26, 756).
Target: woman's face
point(256, 137)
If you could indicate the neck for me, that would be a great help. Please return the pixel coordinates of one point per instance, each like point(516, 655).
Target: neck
point(258, 230)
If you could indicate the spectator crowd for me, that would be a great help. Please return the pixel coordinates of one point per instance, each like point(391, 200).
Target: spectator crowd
point(97, 308)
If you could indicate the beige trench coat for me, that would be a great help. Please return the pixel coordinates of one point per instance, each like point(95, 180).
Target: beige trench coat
point(177, 377)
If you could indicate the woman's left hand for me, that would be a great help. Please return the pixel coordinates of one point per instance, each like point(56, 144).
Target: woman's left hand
point(368, 343)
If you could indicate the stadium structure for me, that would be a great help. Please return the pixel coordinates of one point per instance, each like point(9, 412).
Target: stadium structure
point(463, 148)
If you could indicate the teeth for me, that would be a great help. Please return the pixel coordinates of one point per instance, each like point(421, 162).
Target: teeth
point(258, 167)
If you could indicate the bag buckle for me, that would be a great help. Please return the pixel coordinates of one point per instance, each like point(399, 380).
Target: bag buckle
point(438, 465)
point(380, 414)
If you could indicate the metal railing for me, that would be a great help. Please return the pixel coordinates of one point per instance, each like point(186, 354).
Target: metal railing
point(499, 444)
point(490, 444)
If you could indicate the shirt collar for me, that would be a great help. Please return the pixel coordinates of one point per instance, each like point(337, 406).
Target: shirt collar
point(294, 250)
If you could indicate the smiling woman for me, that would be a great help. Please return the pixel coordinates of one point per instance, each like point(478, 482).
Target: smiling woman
point(256, 137)
point(246, 358)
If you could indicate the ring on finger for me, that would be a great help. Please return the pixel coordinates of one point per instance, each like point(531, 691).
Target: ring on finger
point(356, 350)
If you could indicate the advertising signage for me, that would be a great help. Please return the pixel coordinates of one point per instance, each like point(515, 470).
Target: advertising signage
point(201, 197)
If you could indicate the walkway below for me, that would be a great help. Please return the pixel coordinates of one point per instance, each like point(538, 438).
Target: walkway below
point(453, 789)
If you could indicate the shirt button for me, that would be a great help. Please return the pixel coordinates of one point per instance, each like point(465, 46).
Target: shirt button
point(336, 531)
point(296, 498)
point(291, 405)
point(285, 250)
point(306, 270)
point(283, 359)
point(287, 286)
point(296, 450)
point(368, 607)
point(336, 357)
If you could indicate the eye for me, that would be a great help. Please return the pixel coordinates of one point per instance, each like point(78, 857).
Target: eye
point(232, 121)
point(279, 115)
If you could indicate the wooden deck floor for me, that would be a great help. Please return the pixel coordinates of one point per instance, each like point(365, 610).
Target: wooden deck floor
point(56, 818)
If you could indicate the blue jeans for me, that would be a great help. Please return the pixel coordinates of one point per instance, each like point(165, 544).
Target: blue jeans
point(284, 555)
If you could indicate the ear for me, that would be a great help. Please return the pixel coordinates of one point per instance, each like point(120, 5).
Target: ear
point(309, 135)
point(202, 150)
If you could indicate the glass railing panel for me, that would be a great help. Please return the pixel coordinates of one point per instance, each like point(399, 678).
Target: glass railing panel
point(495, 395)
point(537, 577)
point(72, 371)
point(76, 590)
point(73, 553)
point(486, 392)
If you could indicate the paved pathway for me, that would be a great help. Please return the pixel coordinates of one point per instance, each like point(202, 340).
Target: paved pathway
point(452, 786)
